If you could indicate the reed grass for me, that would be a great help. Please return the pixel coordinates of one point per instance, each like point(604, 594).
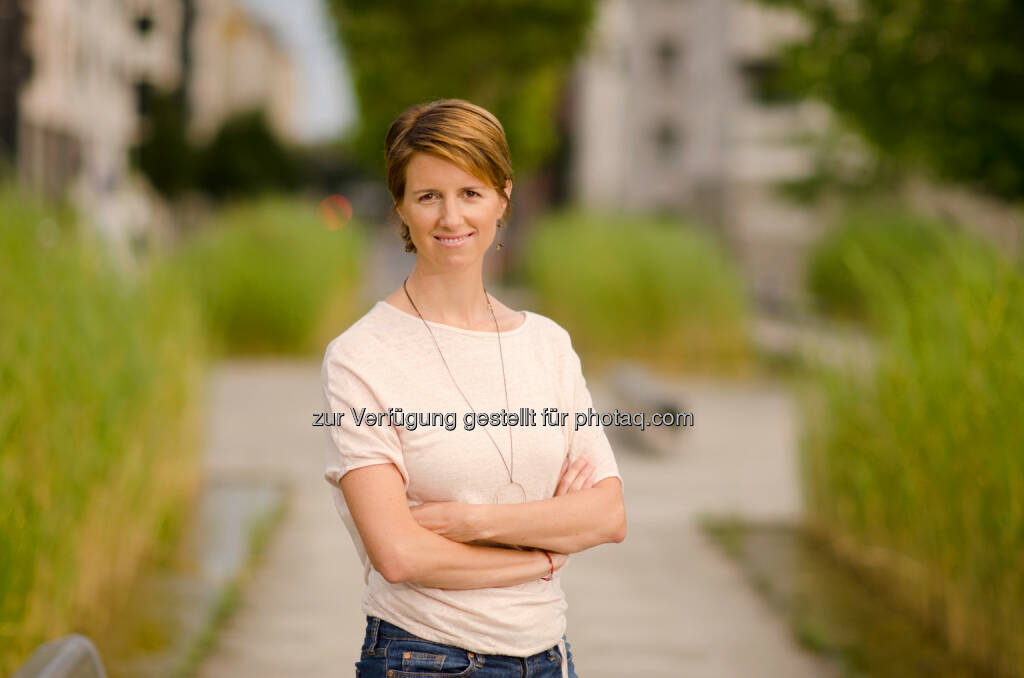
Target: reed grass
point(921, 462)
point(270, 278)
point(99, 386)
point(890, 237)
point(628, 286)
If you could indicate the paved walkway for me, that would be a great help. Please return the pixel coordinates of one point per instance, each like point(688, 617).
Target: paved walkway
point(665, 603)
point(299, 615)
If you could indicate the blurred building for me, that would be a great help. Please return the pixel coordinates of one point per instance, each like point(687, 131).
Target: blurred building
point(78, 79)
point(240, 64)
point(95, 64)
point(672, 112)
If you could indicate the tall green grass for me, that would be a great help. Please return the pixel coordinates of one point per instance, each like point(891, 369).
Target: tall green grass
point(890, 238)
point(922, 461)
point(99, 411)
point(271, 278)
point(641, 288)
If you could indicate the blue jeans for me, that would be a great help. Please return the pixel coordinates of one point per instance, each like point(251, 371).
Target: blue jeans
point(392, 652)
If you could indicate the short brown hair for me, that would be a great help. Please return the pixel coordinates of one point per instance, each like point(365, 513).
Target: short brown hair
point(464, 134)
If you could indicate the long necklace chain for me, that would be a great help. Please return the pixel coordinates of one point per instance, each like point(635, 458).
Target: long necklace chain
point(509, 467)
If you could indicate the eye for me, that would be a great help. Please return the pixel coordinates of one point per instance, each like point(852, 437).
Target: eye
point(471, 193)
point(426, 196)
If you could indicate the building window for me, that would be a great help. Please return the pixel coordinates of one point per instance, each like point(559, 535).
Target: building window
point(764, 82)
point(666, 58)
point(666, 143)
point(143, 24)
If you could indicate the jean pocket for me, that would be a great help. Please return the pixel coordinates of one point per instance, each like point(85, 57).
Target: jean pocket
point(422, 662)
point(407, 658)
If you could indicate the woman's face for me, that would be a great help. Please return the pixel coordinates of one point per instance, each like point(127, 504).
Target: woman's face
point(452, 215)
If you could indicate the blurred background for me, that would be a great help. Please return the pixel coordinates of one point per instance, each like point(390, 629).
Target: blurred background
point(798, 220)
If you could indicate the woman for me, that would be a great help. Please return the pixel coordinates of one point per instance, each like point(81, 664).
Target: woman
point(462, 516)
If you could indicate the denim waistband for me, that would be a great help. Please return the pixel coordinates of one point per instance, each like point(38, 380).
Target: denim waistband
point(377, 628)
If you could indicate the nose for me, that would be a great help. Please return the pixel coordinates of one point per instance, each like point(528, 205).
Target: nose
point(451, 213)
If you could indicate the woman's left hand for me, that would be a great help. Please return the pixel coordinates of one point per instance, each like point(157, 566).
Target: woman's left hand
point(579, 475)
point(447, 518)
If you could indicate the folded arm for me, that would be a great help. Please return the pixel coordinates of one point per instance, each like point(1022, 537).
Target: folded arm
point(404, 551)
point(582, 517)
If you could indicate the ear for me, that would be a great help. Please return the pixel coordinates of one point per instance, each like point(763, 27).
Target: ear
point(508, 190)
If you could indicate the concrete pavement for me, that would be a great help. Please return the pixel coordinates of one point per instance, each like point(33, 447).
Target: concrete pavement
point(665, 603)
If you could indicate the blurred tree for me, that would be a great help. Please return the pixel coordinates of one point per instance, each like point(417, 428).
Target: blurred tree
point(245, 158)
point(937, 84)
point(164, 154)
point(509, 56)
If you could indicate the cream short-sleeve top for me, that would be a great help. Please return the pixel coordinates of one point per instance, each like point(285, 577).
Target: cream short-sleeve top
point(387, 361)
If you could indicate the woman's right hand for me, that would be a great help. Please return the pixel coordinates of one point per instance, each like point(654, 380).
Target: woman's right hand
point(558, 560)
point(579, 475)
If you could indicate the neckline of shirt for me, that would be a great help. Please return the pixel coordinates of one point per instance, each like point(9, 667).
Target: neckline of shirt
point(459, 330)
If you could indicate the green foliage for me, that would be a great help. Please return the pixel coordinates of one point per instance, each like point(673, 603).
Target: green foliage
point(936, 84)
point(244, 158)
point(509, 56)
point(635, 287)
point(99, 390)
point(923, 456)
point(270, 278)
point(164, 155)
point(896, 243)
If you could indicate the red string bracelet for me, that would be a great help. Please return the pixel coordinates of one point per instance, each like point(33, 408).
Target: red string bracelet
point(552, 564)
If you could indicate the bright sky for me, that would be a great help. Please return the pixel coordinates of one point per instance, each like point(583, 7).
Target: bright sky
point(326, 101)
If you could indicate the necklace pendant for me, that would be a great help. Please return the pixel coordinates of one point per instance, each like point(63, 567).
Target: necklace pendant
point(511, 493)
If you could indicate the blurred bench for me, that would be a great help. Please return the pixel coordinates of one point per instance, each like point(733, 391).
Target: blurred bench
point(72, 656)
point(634, 388)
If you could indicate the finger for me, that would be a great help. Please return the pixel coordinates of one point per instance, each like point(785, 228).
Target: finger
point(568, 474)
point(575, 470)
point(577, 483)
point(564, 482)
point(590, 479)
point(420, 518)
point(581, 477)
point(561, 487)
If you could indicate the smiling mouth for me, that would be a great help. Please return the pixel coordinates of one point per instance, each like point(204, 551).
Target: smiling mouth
point(453, 240)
